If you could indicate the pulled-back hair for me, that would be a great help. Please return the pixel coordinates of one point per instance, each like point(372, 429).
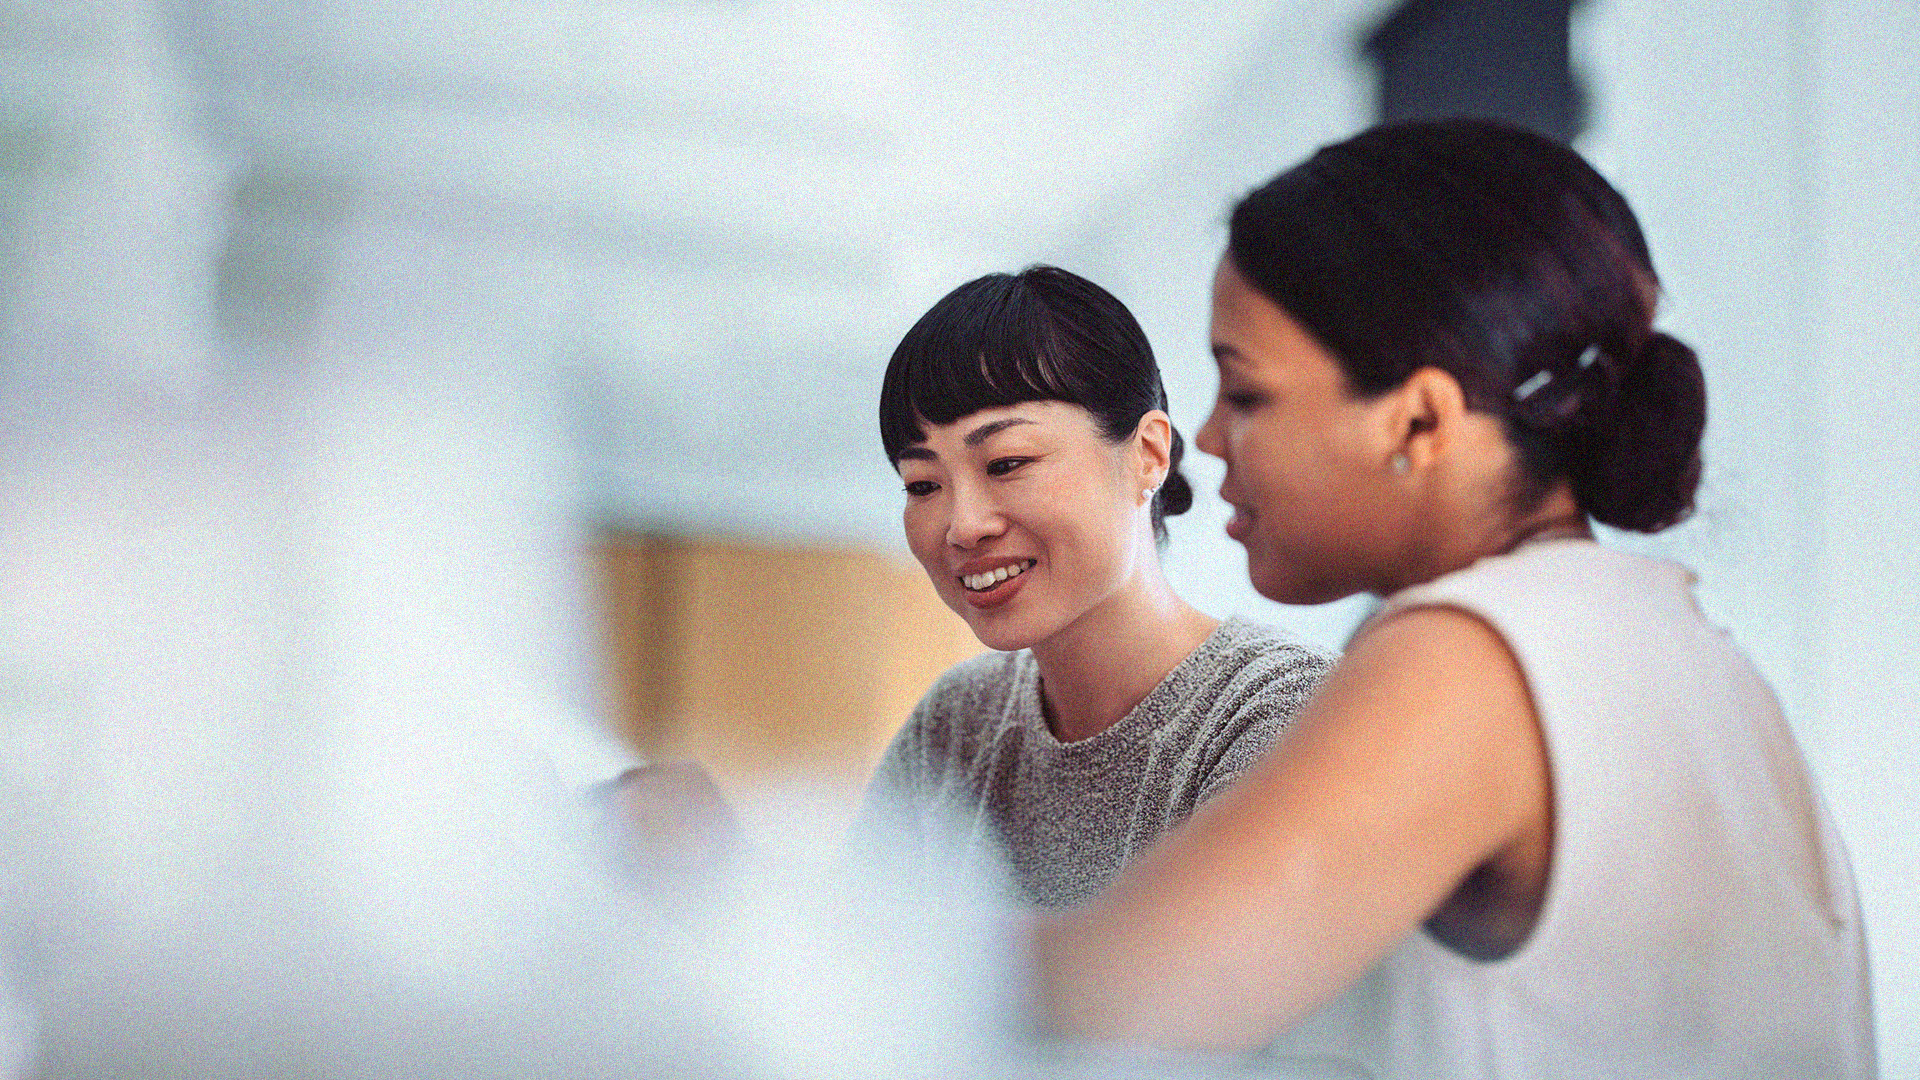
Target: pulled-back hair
point(1505, 260)
point(1041, 335)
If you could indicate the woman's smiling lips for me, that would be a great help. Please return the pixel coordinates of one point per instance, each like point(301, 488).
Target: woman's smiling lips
point(990, 583)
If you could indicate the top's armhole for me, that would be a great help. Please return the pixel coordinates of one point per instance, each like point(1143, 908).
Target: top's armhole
point(1550, 903)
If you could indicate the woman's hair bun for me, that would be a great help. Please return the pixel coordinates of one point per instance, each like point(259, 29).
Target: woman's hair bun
point(1176, 495)
point(1638, 463)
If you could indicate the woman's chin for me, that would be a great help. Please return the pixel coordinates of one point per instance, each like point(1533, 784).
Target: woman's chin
point(1001, 638)
point(1000, 629)
point(1273, 580)
point(1297, 591)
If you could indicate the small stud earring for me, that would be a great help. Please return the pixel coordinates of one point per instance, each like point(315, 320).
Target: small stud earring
point(1400, 463)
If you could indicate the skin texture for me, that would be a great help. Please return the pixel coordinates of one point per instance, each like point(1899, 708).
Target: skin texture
point(1036, 482)
point(1413, 790)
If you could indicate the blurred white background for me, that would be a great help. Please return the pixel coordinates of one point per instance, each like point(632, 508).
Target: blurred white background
point(331, 329)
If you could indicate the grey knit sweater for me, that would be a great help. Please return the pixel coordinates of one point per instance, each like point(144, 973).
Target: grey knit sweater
point(977, 767)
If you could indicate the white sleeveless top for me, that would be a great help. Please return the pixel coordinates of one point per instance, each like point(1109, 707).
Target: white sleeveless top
point(1700, 918)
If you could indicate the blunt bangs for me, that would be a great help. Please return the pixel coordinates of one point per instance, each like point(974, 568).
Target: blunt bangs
point(992, 342)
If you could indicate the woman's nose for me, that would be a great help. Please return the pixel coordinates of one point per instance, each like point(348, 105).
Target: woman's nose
point(975, 517)
point(1208, 437)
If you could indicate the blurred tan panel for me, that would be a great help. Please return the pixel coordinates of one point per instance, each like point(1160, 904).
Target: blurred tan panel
point(923, 639)
point(765, 662)
point(635, 579)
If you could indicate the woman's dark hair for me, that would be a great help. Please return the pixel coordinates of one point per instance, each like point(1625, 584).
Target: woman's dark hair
point(1503, 259)
point(1043, 334)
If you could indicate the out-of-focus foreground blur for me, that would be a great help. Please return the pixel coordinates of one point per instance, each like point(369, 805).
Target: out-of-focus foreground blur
point(413, 412)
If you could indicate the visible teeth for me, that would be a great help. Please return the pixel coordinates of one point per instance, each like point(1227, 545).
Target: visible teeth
point(989, 578)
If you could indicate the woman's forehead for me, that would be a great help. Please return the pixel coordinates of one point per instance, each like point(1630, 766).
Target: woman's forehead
point(1043, 414)
point(1253, 334)
point(1051, 418)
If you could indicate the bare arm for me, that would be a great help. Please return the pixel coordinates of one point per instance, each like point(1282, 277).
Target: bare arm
point(1419, 761)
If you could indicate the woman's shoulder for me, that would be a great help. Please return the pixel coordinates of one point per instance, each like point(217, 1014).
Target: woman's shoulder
point(1562, 588)
point(1257, 649)
point(1251, 683)
point(1248, 668)
point(944, 729)
point(963, 705)
point(1569, 620)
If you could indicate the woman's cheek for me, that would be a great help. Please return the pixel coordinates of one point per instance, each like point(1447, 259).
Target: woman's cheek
point(923, 536)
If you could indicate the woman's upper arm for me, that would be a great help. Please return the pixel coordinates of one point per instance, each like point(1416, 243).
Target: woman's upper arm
point(1420, 759)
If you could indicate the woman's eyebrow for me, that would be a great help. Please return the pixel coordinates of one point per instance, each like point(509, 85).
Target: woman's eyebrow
point(986, 431)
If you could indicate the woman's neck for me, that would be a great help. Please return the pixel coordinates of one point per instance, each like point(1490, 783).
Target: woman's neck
point(1495, 531)
point(1095, 671)
point(1558, 517)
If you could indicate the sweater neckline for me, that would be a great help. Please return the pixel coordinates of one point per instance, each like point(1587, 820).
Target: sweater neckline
point(1147, 716)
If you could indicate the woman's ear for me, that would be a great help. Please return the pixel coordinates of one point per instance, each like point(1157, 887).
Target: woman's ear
point(1153, 447)
point(1423, 418)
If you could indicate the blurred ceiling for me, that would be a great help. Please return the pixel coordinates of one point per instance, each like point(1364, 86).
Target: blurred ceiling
point(749, 199)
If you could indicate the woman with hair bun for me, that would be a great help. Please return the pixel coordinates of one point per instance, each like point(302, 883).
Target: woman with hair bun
point(1026, 416)
point(1543, 819)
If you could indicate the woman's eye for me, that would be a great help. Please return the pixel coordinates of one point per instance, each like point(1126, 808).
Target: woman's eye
point(918, 488)
point(1005, 465)
point(1241, 400)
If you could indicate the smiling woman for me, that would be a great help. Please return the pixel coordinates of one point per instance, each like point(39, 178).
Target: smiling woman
point(1026, 417)
point(1073, 497)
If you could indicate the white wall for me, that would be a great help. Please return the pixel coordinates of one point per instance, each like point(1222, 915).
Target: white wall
point(1866, 383)
point(1771, 151)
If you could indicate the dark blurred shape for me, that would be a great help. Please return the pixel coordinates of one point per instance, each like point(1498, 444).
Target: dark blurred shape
point(272, 269)
point(676, 826)
point(1493, 59)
